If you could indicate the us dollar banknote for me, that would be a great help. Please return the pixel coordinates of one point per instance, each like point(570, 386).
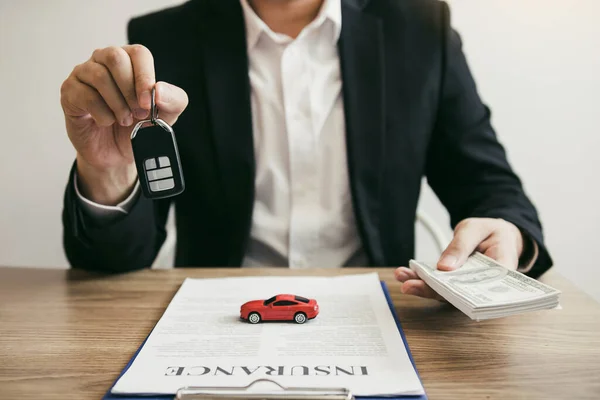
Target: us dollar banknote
point(483, 284)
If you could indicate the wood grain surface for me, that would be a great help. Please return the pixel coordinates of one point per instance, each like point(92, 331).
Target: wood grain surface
point(67, 335)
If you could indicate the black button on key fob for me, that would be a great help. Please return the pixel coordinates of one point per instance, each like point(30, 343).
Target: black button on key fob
point(157, 157)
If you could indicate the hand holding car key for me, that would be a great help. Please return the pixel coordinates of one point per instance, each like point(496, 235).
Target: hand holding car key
point(157, 157)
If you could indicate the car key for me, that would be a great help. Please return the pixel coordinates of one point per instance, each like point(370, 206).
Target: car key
point(157, 157)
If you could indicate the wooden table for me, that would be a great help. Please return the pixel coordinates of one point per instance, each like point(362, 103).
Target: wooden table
point(67, 334)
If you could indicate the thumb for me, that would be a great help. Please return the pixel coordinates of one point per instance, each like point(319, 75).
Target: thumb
point(171, 100)
point(467, 236)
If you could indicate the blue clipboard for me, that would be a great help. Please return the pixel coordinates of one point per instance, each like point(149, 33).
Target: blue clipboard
point(110, 396)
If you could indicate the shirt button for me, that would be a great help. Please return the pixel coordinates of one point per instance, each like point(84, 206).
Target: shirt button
point(298, 262)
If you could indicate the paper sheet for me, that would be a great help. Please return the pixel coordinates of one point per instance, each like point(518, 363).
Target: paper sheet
point(201, 341)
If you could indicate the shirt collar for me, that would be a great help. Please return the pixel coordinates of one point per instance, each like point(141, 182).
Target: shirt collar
point(330, 10)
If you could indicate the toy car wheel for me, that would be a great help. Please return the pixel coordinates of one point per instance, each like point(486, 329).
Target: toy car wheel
point(300, 318)
point(254, 318)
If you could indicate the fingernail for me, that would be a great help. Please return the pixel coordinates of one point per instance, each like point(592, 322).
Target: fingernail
point(140, 113)
point(401, 276)
point(145, 99)
point(165, 92)
point(127, 121)
point(449, 261)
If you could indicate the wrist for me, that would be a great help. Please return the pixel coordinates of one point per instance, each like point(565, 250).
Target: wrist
point(107, 186)
point(520, 242)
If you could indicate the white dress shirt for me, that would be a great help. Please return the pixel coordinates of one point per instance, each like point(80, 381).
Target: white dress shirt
point(303, 214)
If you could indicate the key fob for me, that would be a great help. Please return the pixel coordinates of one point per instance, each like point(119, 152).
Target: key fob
point(157, 157)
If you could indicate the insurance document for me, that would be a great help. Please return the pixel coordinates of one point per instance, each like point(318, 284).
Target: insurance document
point(201, 341)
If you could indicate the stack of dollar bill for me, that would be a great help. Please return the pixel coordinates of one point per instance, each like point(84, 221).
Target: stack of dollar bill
point(484, 289)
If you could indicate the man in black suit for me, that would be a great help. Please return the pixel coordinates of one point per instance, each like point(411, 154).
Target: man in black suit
point(308, 126)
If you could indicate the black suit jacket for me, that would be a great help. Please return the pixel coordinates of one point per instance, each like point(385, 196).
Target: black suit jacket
point(411, 110)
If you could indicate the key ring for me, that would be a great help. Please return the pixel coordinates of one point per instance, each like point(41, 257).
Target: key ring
point(153, 108)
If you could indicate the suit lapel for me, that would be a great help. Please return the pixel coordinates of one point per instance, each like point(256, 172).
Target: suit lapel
point(228, 97)
point(362, 65)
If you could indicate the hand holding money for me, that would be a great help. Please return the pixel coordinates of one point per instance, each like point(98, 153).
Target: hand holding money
point(484, 289)
point(493, 237)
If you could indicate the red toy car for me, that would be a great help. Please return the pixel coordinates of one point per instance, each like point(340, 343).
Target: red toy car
point(283, 307)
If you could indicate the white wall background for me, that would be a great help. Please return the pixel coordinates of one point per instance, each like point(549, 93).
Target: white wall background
point(537, 63)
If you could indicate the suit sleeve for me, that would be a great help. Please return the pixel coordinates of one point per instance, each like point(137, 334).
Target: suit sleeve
point(125, 243)
point(129, 242)
point(466, 165)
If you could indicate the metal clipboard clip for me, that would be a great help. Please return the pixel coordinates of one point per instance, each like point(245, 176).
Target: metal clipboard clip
point(244, 392)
